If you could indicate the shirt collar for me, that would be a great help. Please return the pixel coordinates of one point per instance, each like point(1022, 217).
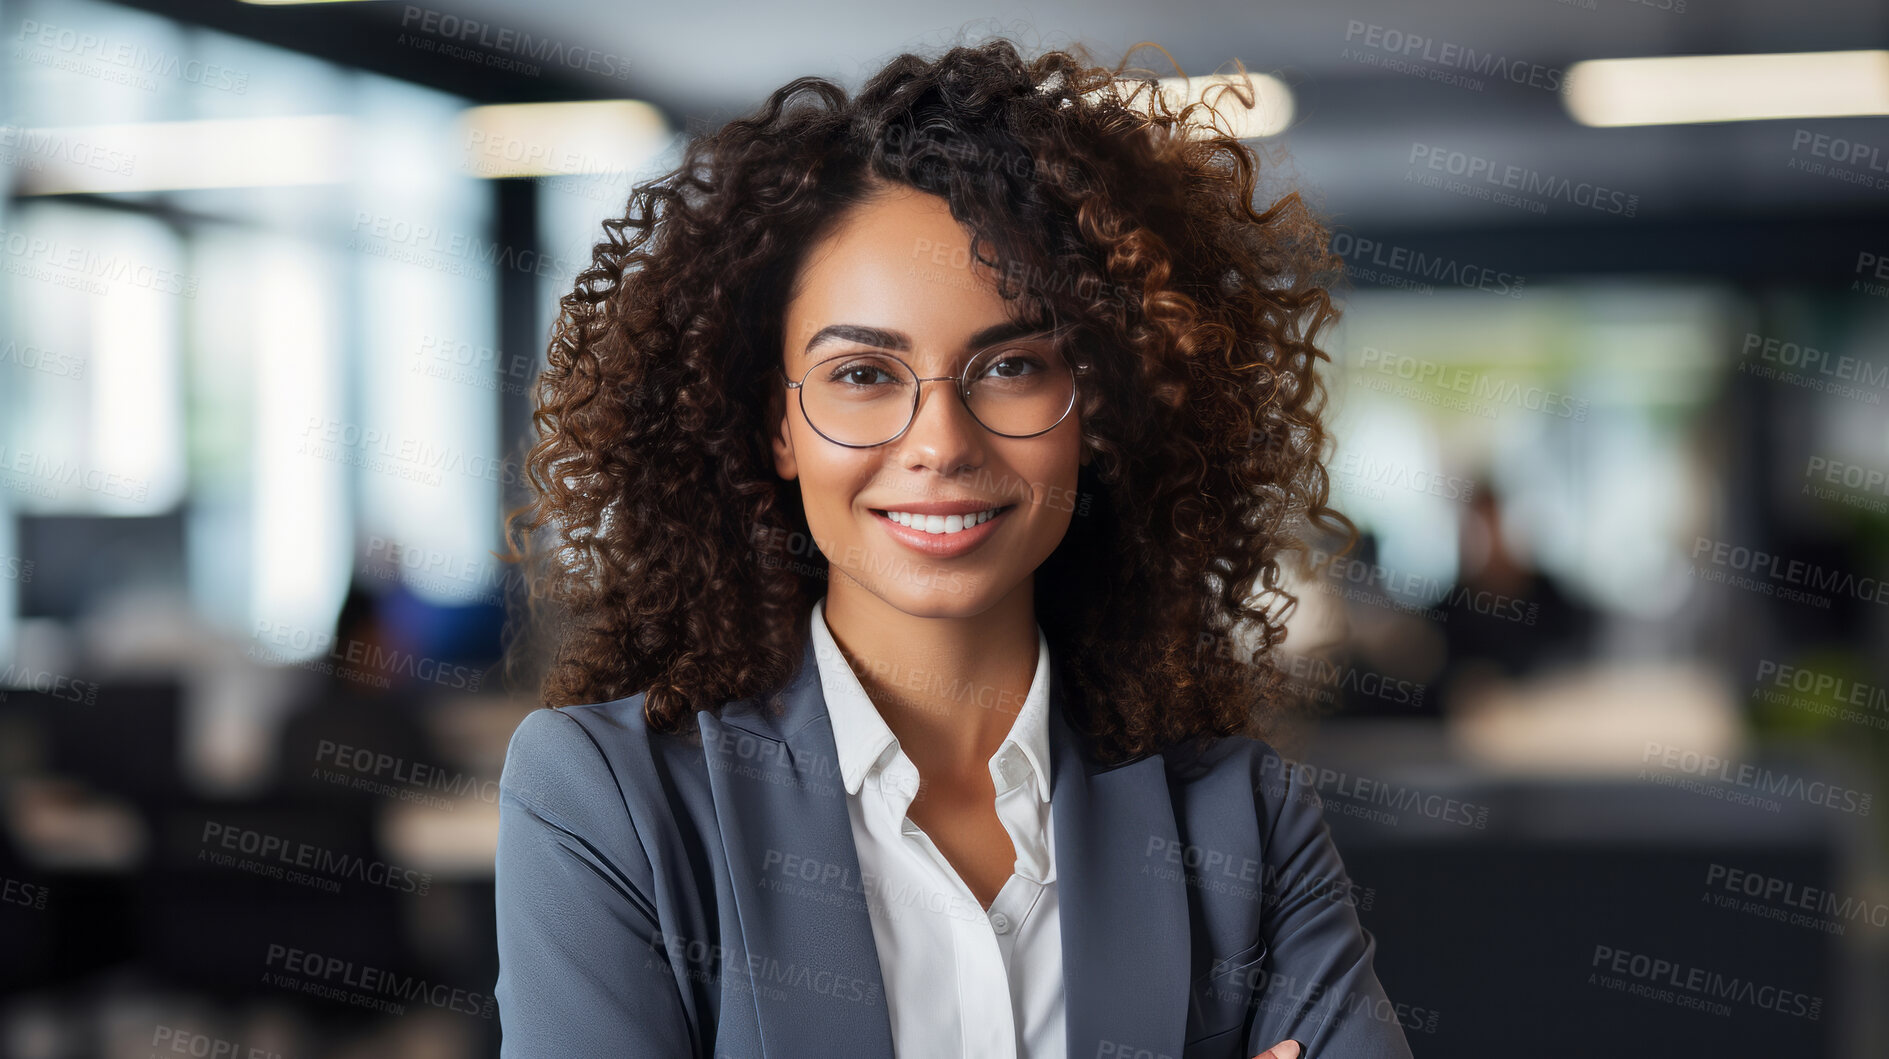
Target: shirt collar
point(865, 742)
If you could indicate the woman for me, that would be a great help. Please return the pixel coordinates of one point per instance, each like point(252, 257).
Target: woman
point(906, 465)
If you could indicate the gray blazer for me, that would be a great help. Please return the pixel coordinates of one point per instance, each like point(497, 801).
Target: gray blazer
point(662, 895)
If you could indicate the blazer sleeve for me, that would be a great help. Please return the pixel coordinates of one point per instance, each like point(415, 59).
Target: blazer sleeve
point(1317, 985)
point(582, 964)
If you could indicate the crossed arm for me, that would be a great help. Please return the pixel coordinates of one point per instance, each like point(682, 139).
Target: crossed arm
point(1319, 994)
point(583, 968)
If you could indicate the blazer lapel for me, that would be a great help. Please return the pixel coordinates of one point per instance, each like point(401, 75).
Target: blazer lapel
point(781, 801)
point(818, 988)
point(1124, 918)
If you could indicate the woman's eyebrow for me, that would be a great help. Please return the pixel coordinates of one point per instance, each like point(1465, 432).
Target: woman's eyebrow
point(881, 338)
point(877, 337)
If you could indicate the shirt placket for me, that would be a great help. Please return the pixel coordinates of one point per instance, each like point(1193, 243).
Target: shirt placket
point(1022, 814)
point(987, 1016)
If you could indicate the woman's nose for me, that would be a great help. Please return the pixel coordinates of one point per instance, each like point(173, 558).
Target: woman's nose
point(943, 435)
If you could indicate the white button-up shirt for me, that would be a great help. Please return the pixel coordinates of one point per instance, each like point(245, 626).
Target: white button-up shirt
point(960, 981)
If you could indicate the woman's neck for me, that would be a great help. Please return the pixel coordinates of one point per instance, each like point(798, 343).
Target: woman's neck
point(948, 687)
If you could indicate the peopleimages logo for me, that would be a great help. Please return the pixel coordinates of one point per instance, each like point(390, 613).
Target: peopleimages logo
point(37, 468)
point(1757, 778)
point(1316, 781)
point(763, 971)
point(1415, 47)
point(465, 247)
point(1522, 180)
point(27, 147)
point(173, 1041)
point(1416, 270)
point(415, 775)
point(1794, 578)
point(1446, 596)
point(53, 685)
point(1825, 694)
point(366, 986)
point(1837, 149)
point(33, 358)
point(458, 30)
point(1695, 987)
point(1811, 359)
point(133, 63)
point(24, 894)
point(1824, 685)
point(1362, 472)
point(78, 262)
point(358, 659)
point(301, 862)
point(1271, 884)
point(1477, 385)
point(1795, 903)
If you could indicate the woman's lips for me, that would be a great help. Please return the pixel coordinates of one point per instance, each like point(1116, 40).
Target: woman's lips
point(942, 545)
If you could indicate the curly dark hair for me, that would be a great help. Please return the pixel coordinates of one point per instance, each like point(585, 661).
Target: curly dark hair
point(656, 530)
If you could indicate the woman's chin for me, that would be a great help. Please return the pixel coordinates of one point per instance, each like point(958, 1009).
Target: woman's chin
point(945, 594)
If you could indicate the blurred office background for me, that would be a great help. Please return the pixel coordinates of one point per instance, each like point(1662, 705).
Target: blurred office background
point(1598, 706)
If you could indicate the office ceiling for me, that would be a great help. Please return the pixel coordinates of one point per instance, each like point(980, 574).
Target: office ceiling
point(730, 53)
point(1360, 123)
point(1364, 131)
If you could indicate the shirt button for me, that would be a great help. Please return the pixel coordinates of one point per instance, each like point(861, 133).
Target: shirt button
point(1000, 922)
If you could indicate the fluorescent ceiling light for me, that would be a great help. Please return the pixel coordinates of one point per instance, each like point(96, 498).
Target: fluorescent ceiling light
point(1269, 115)
point(561, 139)
point(171, 155)
point(1700, 88)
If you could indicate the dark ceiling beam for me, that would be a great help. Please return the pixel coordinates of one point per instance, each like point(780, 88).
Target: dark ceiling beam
point(385, 38)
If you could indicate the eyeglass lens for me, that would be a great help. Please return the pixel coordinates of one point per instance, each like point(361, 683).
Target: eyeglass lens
point(870, 398)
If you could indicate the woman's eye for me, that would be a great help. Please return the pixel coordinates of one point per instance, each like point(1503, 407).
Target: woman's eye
point(1014, 365)
point(860, 374)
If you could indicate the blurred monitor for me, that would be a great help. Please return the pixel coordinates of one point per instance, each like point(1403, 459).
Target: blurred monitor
point(79, 560)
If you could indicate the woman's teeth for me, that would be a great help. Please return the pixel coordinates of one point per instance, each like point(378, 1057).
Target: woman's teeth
point(941, 523)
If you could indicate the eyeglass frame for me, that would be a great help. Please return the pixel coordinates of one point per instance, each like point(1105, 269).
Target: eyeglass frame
point(1077, 369)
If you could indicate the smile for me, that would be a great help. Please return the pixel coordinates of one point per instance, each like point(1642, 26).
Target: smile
point(942, 536)
point(940, 524)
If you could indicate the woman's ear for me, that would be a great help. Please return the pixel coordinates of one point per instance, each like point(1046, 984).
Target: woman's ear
point(779, 439)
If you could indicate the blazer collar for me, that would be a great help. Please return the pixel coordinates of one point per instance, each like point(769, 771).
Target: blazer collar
point(817, 985)
point(863, 736)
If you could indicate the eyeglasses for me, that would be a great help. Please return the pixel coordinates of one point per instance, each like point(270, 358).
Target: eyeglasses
point(1016, 389)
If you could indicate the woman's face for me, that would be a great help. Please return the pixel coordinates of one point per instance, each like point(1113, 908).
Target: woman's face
point(900, 265)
